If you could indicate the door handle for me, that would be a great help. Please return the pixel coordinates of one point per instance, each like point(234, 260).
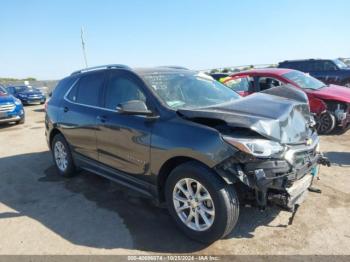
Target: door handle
point(101, 118)
point(65, 109)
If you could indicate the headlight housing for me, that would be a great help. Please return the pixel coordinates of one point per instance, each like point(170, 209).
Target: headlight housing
point(18, 102)
point(257, 147)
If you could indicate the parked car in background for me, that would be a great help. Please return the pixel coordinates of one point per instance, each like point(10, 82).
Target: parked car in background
point(27, 94)
point(44, 90)
point(327, 70)
point(329, 103)
point(185, 140)
point(11, 108)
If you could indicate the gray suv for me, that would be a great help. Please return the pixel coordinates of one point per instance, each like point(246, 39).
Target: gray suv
point(185, 140)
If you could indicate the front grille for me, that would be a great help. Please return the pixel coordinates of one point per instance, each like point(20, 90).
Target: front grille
point(7, 108)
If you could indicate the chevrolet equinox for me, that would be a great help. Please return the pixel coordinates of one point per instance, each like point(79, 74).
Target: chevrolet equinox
point(186, 141)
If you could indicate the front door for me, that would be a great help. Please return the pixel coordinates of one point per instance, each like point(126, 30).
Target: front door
point(123, 141)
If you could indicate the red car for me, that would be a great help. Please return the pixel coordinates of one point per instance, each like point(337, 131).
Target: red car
point(329, 103)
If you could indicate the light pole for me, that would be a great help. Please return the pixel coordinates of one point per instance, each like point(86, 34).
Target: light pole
point(83, 46)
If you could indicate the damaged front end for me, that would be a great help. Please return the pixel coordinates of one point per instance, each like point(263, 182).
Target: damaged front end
point(282, 179)
point(277, 147)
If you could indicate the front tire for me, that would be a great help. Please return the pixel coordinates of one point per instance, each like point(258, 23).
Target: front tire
point(62, 156)
point(21, 122)
point(203, 206)
point(326, 123)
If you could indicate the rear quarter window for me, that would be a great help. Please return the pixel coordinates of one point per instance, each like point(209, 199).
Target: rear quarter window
point(62, 87)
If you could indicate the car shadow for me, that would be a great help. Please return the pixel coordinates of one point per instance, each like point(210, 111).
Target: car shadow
point(341, 159)
point(39, 110)
point(9, 125)
point(92, 211)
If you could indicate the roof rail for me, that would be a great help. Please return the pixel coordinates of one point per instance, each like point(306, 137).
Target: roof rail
point(174, 67)
point(118, 66)
point(303, 60)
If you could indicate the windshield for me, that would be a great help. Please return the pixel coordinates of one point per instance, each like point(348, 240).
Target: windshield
point(303, 80)
point(2, 91)
point(188, 90)
point(340, 64)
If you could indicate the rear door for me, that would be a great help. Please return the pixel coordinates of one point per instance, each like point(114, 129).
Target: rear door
point(79, 111)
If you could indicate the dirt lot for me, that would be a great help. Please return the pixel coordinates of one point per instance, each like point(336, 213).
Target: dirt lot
point(42, 213)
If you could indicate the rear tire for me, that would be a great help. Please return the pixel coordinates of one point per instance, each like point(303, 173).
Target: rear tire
point(326, 123)
point(62, 156)
point(215, 200)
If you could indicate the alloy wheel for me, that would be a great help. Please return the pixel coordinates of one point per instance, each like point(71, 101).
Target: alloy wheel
point(327, 123)
point(60, 154)
point(193, 204)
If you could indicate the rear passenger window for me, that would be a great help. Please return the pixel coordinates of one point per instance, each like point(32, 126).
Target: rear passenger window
point(240, 84)
point(87, 90)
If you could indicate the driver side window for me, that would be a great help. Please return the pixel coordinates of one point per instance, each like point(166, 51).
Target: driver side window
point(267, 83)
point(329, 66)
point(121, 89)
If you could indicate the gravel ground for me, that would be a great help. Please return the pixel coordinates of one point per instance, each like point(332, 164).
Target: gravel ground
point(42, 213)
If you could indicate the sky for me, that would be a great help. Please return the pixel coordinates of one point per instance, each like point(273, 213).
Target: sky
point(41, 38)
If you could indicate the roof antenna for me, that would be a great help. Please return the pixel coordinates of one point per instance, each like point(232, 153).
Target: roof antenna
point(83, 46)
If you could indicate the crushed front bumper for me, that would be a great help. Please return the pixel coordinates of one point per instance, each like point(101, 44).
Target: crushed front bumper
point(278, 181)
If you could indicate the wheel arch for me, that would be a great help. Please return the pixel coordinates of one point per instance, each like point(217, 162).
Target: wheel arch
point(53, 133)
point(169, 166)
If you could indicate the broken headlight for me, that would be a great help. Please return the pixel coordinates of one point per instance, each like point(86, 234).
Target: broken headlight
point(256, 147)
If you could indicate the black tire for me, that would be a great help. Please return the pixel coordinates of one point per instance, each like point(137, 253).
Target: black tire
point(224, 198)
point(21, 122)
point(326, 123)
point(70, 169)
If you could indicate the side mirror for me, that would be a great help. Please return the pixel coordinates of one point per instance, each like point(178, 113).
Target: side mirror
point(134, 107)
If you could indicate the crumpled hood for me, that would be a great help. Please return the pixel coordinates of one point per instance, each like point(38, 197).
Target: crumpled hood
point(277, 118)
point(333, 92)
